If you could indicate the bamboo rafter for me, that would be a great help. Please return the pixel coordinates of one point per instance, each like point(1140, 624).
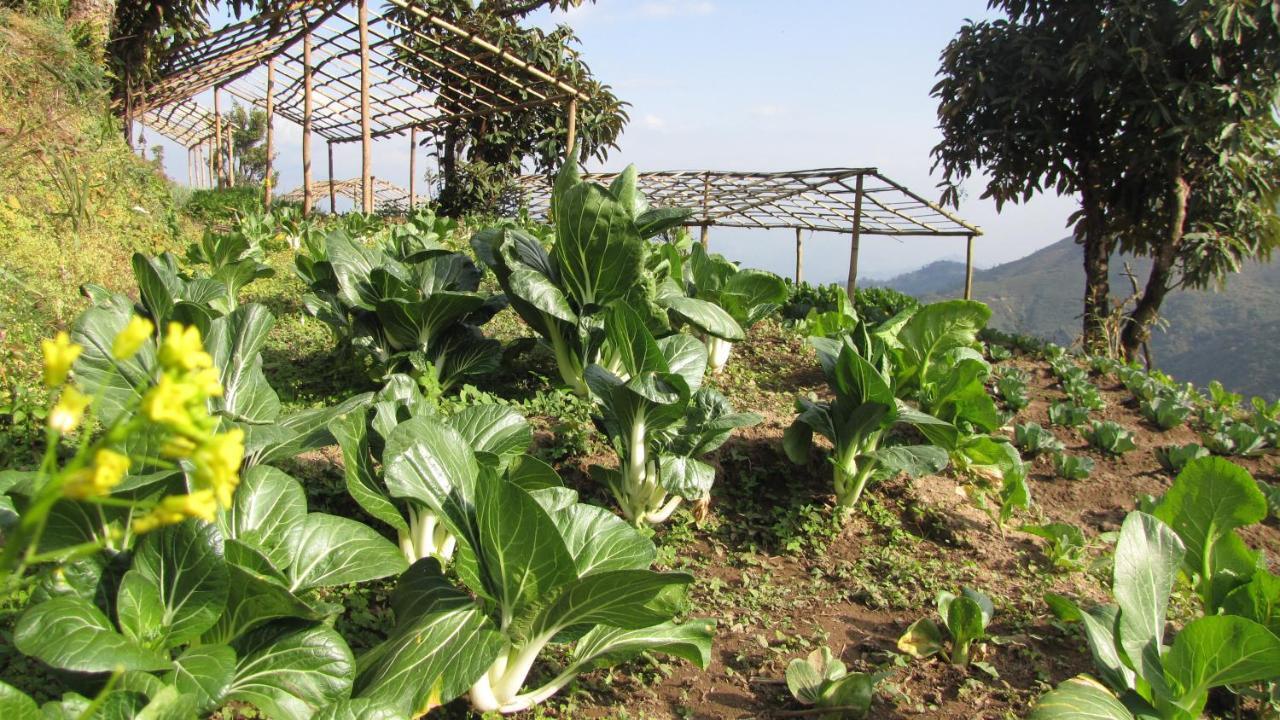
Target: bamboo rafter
point(387, 196)
point(474, 76)
point(821, 200)
point(183, 122)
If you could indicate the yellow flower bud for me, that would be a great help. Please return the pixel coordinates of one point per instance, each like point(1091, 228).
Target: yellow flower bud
point(68, 411)
point(176, 508)
point(167, 403)
point(59, 355)
point(182, 349)
point(217, 464)
point(206, 382)
point(131, 338)
point(107, 471)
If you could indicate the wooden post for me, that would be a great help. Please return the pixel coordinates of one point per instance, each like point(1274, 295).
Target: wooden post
point(366, 140)
point(572, 139)
point(306, 126)
point(231, 157)
point(333, 197)
point(852, 283)
point(217, 136)
point(968, 270)
point(271, 113)
point(799, 257)
point(705, 238)
point(413, 156)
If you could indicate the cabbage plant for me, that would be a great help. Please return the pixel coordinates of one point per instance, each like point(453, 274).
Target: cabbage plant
point(865, 408)
point(598, 259)
point(745, 296)
point(964, 617)
point(1140, 675)
point(235, 259)
point(370, 437)
point(205, 614)
point(538, 573)
point(821, 680)
point(403, 304)
point(659, 419)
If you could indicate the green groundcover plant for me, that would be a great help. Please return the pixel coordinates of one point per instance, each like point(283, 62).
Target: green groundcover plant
point(822, 681)
point(964, 617)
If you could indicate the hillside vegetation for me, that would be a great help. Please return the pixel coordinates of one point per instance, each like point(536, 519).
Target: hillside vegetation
point(1205, 335)
point(75, 202)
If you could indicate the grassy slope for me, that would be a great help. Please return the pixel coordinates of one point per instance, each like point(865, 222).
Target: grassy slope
point(75, 203)
point(1040, 295)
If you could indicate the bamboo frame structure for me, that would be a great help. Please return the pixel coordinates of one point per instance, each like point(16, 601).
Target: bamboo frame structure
point(387, 196)
point(859, 201)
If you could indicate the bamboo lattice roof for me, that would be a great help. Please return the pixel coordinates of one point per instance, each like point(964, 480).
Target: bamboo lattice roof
point(184, 122)
point(805, 199)
point(386, 195)
point(479, 77)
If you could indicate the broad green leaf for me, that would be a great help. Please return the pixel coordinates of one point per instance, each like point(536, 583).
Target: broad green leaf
point(15, 705)
point(364, 485)
point(432, 464)
point(291, 675)
point(254, 599)
point(1208, 500)
point(599, 540)
point(914, 460)
point(71, 634)
point(655, 221)
point(267, 513)
point(707, 317)
point(176, 588)
point(1258, 600)
point(922, 639)
point(1080, 698)
point(606, 646)
point(494, 429)
point(205, 672)
point(521, 553)
point(966, 625)
point(358, 709)
point(1147, 557)
point(538, 292)
point(804, 681)
point(685, 357)
point(598, 251)
point(442, 639)
point(618, 598)
point(334, 550)
point(1219, 650)
point(936, 328)
point(158, 285)
point(632, 343)
point(235, 342)
point(684, 476)
point(116, 383)
point(1099, 631)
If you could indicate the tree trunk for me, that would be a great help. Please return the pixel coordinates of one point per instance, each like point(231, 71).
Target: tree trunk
point(1137, 328)
point(1097, 279)
point(97, 17)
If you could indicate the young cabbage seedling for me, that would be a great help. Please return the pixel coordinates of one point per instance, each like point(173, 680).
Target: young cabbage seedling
point(1033, 439)
point(1110, 437)
point(965, 618)
point(1072, 467)
point(821, 680)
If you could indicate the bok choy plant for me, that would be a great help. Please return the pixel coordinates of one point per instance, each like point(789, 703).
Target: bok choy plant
point(1142, 676)
point(659, 419)
point(598, 259)
point(405, 304)
point(371, 436)
point(536, 570)
point(859, 419)
point(746, 296)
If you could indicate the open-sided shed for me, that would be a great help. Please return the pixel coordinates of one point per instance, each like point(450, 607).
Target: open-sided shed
point(344, 71)
point(856, 201)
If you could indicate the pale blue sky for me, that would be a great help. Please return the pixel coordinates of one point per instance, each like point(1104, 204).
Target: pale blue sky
point(769, 85)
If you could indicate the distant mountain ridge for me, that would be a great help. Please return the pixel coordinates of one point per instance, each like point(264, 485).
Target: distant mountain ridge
point(1232, 336)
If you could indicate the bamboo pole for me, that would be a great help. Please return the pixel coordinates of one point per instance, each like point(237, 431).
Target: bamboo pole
point(968, 270)
point(271, 113)
point(231, 156)
point(366, 141)
point(333, 196)
point(856, 240)
point(705, 238)
point(572, 139)
point(799, 257)
point(413, 156)
point(217, 135)
point(306, 126)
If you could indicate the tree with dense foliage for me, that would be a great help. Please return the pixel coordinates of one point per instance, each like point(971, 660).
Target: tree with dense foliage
point(248, 128)
point(1158, 116)
point(479, 156)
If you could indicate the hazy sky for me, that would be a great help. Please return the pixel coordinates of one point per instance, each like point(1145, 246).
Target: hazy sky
point(769, 85)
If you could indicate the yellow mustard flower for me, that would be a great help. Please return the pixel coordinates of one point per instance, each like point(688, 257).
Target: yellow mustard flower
point(68, 411)
point(59, 355)
point(182, 349)
point(176, 508)
point(217, 464)
point(168, 403)
point(206, 382)
point(131, 338)
point(177, 447)
point(107, 471)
